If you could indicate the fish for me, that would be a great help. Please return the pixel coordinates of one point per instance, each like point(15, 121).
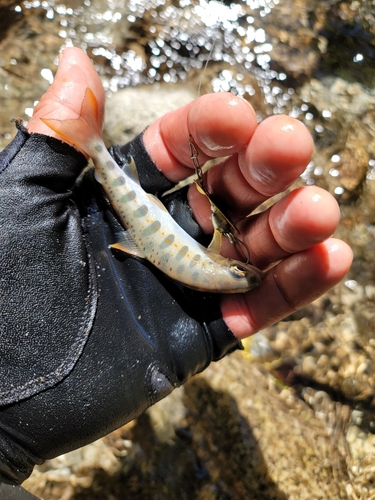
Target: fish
point(220, 221)
point(150, 232)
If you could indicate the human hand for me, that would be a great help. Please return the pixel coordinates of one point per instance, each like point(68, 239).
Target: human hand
point(292, 239)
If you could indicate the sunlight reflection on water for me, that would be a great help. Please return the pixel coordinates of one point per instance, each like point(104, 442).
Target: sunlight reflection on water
point(143, 42)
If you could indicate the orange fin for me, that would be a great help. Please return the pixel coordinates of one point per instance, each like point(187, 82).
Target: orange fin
point(126, 244)
point(79, 131)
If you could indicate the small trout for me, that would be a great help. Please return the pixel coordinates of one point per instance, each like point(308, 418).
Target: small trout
point(151, 232)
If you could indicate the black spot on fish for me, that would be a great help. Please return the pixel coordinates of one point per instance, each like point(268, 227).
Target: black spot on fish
point(165, 257)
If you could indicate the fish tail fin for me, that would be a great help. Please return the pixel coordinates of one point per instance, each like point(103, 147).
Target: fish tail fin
point(79, 131)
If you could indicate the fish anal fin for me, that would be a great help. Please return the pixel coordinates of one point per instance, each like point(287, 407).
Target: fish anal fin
point(126, 244)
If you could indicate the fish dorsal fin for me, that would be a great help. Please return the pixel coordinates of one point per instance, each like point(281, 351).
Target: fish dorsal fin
point(130, 169)
point(215, 245)
point(125, 243)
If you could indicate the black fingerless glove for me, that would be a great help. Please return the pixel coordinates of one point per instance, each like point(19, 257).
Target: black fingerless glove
point(89, 339)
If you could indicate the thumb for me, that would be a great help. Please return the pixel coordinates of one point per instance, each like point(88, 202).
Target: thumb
point(63, 99)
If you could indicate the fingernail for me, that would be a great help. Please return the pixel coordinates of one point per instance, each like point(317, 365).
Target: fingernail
point(212, 144)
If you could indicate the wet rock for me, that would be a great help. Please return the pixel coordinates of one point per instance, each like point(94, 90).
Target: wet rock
point(239, 440)
point(9, 17)
point(345, 144)
point(296, 48)
point(129, 111)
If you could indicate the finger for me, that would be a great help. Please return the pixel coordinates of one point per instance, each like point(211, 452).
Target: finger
point(305, 217)
point(220, 124)
point(275, 157)
point(293, 283)
point(63, 100)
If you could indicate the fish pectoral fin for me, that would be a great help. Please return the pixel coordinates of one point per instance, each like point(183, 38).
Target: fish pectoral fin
point(125, 243)
point(215, 245)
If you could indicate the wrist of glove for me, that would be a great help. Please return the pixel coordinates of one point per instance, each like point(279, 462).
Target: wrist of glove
point(89, 338)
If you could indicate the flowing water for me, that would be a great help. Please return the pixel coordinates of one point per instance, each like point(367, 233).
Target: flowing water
point(314, 60)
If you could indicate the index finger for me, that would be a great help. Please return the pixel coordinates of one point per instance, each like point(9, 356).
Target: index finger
point(220, 124)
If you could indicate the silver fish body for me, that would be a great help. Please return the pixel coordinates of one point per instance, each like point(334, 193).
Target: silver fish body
point(152, 233)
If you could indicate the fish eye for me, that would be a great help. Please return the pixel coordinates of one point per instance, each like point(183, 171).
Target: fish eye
point(239, 271)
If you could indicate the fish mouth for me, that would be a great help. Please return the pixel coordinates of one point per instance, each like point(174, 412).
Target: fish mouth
point(257, 276)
